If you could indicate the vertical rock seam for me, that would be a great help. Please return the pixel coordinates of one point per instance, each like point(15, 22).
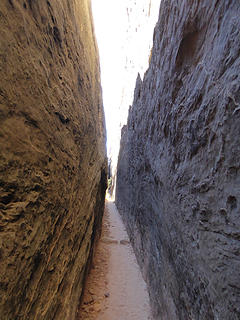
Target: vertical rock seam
point(179, 163)
point(53, 159)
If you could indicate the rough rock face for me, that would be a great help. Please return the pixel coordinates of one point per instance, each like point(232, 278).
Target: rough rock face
point(52, 163)
point(178, 183)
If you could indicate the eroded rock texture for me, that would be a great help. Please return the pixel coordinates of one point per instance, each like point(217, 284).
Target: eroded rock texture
point(178, 183)
point(52, 165)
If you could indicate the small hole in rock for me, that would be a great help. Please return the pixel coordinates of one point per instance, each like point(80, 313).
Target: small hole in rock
point(232, 202)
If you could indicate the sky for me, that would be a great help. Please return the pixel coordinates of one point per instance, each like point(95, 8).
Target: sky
point(108, 17)
point(124, 31)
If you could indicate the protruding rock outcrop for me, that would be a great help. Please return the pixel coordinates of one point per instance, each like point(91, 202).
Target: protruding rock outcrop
point(52, 162)
point(179, 163)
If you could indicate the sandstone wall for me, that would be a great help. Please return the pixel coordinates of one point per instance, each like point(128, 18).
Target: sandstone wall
point(52, 156)
point(178, 182)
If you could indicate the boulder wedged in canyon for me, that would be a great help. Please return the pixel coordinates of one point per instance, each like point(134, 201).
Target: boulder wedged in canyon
point(53, 162)
point(179, 163)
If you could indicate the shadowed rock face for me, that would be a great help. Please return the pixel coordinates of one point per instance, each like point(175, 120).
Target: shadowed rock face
point(52, 163)
point(179, 164)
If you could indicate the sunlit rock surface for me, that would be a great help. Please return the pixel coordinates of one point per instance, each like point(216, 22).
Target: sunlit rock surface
point(178, 171)
point(52, 156)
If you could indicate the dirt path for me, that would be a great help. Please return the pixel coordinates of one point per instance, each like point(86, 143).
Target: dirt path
point(115, 288)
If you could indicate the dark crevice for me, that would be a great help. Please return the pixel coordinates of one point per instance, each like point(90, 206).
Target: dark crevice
point(187, 50)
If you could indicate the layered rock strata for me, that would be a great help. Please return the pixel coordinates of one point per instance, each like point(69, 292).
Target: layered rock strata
point(179, 163)
point(52, 164)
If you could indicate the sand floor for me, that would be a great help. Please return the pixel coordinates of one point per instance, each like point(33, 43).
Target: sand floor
point(115, 289)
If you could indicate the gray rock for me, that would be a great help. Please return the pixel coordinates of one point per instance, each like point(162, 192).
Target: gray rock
point(178, 182)
point(124, 242)
point(52, 156)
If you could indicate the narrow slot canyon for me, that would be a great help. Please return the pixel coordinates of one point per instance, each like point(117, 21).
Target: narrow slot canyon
point(119, 160)
point(115, 288)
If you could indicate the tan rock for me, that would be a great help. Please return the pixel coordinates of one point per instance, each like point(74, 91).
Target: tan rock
point(52, 161)
point(109, 240)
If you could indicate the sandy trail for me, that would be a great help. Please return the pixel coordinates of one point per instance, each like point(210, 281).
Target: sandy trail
point(115, 288)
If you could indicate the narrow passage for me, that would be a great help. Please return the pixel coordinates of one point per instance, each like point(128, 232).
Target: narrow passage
point(115, 289)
